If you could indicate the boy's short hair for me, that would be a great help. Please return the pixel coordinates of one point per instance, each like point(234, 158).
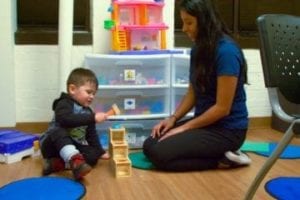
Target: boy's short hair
point(79, 76)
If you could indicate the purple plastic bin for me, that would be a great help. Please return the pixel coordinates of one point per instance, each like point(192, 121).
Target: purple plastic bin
point(12, 141)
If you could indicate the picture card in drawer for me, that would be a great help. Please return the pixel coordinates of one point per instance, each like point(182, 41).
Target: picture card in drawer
point(134, 101)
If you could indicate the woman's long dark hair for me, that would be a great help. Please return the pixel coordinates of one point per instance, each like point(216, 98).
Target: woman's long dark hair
point(211, 29)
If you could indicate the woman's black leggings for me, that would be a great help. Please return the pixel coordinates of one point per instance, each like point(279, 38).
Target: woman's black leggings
point(196, 149)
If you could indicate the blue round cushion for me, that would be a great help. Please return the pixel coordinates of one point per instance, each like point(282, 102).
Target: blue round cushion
point(57, 188)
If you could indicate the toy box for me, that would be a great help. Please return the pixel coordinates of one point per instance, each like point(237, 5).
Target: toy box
point(15, 145)
point(12, 141)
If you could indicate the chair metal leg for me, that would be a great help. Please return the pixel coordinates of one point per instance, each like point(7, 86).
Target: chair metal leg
point(288, 135)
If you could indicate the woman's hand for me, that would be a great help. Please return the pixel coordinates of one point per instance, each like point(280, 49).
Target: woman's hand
point(172, 132)
point(162, 127)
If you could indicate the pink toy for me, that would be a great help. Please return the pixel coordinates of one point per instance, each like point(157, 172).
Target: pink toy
point(138, 25)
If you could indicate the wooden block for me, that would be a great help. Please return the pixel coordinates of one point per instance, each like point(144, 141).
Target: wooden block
point(111, 144)
point(119, 150)
point(117, 135)
point(114, 110)
point(122, 167)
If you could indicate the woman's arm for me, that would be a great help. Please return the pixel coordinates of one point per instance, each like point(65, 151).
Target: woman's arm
point(186, 104)
point(226, 87)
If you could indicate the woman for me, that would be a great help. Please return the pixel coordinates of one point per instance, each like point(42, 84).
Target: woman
point(211, 138)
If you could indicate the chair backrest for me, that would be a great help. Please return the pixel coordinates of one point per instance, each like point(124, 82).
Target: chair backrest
point(280, 53)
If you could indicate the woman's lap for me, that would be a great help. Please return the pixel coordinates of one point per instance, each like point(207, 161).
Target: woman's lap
point(198, 145)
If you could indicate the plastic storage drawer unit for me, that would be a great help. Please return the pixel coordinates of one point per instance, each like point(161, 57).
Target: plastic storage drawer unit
point(130, 70)
point(136, 131)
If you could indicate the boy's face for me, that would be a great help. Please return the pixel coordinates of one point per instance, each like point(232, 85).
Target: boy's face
point(83, 94)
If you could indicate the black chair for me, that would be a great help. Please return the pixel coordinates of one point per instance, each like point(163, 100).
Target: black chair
point(280, 54)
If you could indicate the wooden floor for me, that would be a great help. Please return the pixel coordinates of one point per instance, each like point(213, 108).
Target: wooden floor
point(143, 185)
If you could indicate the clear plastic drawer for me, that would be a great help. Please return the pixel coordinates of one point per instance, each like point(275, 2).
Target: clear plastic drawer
point(136, 131)
point(177, 95)
point(180, 69)
point(135, 103)
point(130, 70)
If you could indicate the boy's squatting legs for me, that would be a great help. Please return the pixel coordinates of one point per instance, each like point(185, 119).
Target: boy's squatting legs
point(76, 160)
point(79, 169)
point(70, 155)
point(57, 164)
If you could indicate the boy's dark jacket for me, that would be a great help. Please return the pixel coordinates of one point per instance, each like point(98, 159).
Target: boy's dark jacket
point(77, 119)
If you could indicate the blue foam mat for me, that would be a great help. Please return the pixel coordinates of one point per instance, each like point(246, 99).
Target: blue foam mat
point(290, 152)
point(57, 188)
point(285, 188)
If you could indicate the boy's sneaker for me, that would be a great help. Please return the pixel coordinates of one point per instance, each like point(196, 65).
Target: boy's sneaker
point(79, 167)
point(234, 159)
point(53, 165)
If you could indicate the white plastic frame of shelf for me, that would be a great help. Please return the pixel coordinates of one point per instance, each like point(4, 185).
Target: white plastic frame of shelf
point(133, 86)
point(180, 85)
point(148, 116)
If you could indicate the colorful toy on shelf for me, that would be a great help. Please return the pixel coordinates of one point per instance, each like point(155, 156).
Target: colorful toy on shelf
point(137, 25)
point(109, 24)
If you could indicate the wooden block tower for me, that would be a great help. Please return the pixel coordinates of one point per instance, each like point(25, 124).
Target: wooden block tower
point(118, 149)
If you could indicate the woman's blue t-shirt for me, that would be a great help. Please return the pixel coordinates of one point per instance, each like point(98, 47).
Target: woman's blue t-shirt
point(229, 60)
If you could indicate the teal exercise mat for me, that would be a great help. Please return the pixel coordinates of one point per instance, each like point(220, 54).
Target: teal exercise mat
point(43, 188)
point(140, 161)
point(290, 152)
point(285, 188)
point(253, 146)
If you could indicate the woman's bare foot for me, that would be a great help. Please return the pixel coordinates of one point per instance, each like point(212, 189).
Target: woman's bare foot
point(105, 156)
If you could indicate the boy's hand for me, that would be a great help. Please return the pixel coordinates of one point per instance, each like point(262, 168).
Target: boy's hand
point(100, 117)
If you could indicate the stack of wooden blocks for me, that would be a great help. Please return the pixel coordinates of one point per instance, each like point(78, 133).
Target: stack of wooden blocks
point(118, 149)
